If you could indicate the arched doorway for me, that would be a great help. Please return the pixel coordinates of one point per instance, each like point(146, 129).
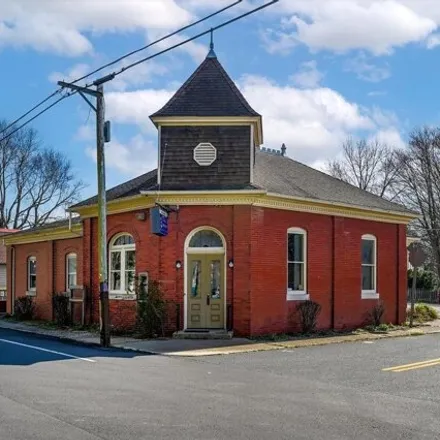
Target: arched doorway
point(205, 280)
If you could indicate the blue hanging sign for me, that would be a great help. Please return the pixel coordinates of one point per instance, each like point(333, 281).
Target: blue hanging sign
point(159, 221)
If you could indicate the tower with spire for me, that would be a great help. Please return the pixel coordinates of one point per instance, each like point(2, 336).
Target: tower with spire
point(208, 133)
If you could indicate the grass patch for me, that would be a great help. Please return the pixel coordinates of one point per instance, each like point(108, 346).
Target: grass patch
point(424, 313)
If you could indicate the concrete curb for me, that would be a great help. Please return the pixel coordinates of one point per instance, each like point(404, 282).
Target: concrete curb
point(220, 351)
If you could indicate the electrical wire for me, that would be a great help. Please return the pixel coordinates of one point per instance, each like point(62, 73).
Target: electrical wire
point(195, 37)
point(111, 63)
point(130, 66)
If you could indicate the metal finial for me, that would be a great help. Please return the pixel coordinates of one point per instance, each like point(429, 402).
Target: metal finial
point(283, 150)
point(211, 53)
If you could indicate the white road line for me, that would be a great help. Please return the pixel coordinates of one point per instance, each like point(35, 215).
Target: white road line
point(46, 350)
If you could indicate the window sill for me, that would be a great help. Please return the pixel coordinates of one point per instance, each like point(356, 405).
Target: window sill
point(369, 295)
point(297, 296)
point(31, 293)
point(122, 296)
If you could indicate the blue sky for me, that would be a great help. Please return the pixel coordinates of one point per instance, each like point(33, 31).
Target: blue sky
point(317, 70)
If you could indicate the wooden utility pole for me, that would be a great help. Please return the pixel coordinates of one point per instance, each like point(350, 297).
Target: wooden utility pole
point(101, 138)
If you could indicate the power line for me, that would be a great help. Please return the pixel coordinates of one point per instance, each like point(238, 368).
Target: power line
point(36, 116)
point(201, 34)
point(130, 66)
point(111, 63)
point(158, 41)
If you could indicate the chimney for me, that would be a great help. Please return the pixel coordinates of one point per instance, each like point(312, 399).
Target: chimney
point(283, 150)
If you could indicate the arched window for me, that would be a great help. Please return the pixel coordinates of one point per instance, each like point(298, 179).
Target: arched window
point(122, 264)
point(71, 271)
point(32, 275)
point(206, 238)
point(369, 266)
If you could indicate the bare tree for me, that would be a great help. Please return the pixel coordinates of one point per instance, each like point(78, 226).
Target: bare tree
point(36, 182)
point(419, 174)
point(369, 166)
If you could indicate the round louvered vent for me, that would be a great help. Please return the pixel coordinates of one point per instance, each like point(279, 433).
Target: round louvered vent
point(205, 154)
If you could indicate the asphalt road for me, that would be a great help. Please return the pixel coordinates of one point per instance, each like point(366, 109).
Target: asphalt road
point(332, 392)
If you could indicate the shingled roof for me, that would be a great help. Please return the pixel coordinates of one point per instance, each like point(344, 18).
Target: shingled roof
point(126, 189)
point(208, 92)
point(279, 175)
point(285, 176)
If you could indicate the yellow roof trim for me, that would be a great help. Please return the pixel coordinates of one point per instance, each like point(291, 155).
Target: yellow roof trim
point(248, 197)
point(117, 206)
point(47, 234)
point(213, 120)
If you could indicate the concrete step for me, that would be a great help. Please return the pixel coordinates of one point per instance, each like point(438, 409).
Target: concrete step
point(203, 334)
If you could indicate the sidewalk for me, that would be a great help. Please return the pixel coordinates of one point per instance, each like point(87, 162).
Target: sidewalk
point(203, 347)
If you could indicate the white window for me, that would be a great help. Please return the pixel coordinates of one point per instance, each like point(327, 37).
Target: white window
point(32, 275)
point(122, 264)
point(70, 271)
point(297, 264)
point(369, 266)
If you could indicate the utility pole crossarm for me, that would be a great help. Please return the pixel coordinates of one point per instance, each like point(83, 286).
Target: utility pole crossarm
point(85, 90)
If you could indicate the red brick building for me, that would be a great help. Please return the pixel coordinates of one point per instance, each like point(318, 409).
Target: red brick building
point(251, 232)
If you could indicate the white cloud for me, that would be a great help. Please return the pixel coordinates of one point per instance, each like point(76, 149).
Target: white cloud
point(312, 122)
point(124, 157)
point(278, 41)
point(75, 72)
point(378, 26)
point(63, 26)
point(86, 132)
point(136, 107)
point(366, 70)
point(391, 137)
point(377, 93)
point(308, 76)
point(433, 41)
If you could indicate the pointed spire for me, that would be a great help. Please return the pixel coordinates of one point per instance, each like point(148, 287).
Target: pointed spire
point(211, 53)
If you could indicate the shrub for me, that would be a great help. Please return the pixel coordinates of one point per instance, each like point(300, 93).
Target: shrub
point(24, 308)
point(61, 309)
point(376, 313)
point(308, 312)
point(424, 313)
point(151, 310)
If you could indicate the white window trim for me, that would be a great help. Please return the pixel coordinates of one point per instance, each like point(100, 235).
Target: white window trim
point(123, 249)
point(370, 294)
point(31, 291)
point(297, 295)
point(69, 256)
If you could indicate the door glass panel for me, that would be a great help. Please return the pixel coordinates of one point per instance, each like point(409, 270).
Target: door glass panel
point(196, 268)
point(215, 278)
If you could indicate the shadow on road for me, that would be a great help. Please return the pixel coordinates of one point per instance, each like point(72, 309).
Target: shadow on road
point(23, 350)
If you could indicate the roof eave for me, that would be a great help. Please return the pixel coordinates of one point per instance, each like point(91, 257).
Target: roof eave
point(212, 120)
point(408, 214)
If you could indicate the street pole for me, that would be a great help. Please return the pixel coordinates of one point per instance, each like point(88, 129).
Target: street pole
point(101, 138)
point(102, 220)
point(413, 295)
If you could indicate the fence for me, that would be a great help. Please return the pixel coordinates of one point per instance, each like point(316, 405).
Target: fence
point(423, 295)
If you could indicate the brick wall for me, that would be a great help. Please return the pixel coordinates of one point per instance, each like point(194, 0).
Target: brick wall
point(51, 271)
point(333, 270)
point(256, 239)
